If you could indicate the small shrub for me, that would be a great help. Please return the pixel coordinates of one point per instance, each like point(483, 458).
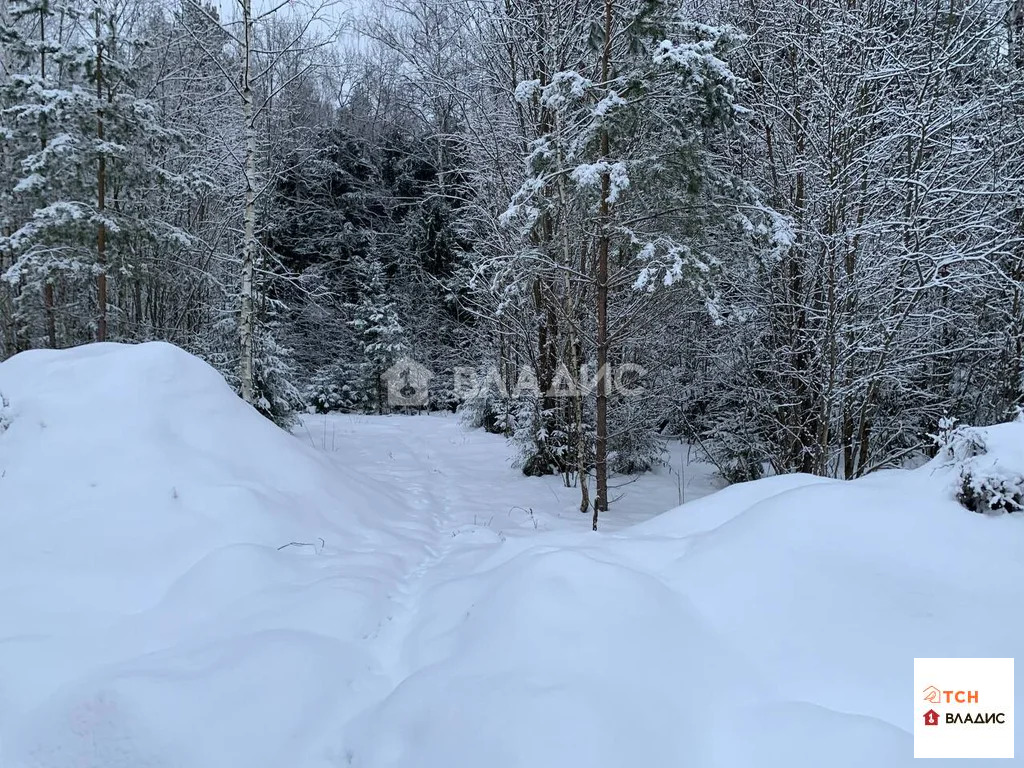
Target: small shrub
point(958, 442)
point(985, 485)
point(5, 413)
point(490, 411)
point(333, 389)
point(991, 491)
point(741, 467)
point(635, 452)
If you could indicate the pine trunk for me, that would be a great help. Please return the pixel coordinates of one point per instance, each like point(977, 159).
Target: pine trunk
point(604, 235)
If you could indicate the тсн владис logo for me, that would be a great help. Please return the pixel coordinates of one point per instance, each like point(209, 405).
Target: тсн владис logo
point(970, 715)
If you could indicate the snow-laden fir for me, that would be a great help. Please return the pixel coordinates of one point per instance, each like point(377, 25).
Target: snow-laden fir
point(183, 584)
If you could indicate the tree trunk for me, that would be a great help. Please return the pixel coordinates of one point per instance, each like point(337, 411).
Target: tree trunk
point(575, 355)
point(101, 198)
point(604, 235)
point(48, 298)
point(246, 320)
point(48, 308)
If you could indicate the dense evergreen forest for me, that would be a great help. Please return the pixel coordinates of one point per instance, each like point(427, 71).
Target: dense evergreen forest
point(799, 222)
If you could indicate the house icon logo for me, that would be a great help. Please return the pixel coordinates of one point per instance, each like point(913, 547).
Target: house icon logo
point(931, 717)
point(932, 695)
point(407, 383)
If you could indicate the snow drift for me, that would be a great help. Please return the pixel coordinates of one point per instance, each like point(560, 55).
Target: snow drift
point(147, 614)
point(771, 624)
point(182, 584)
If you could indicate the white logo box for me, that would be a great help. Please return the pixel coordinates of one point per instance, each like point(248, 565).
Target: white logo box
point(973, 699)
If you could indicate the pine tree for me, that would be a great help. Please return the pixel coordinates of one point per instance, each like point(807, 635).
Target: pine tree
point(47, 116)
point(83, 147)
point(630, 135)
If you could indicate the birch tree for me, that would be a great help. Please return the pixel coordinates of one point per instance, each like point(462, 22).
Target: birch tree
point(256, 85)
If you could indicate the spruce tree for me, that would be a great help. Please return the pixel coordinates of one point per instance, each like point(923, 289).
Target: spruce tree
point(380, 335)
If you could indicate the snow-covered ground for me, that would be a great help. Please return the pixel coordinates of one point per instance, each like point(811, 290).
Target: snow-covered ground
point(480, 486)
point(182, 584)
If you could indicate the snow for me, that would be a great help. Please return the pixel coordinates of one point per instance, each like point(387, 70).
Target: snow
point(564, 87)
point(185, 585)
point(590, 175)
point(696, 59)
point(148, 613)
point(526, 90)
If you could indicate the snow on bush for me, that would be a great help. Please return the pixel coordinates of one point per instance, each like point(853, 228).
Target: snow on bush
point(991, 493)
point(990, 482)
point(335, 388)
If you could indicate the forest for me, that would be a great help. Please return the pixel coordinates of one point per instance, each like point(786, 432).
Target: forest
point(800, 223)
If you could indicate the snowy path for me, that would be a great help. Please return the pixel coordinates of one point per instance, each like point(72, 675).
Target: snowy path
point(458, 500)
point(427, 500)
point(453, 486)
point(465, 477)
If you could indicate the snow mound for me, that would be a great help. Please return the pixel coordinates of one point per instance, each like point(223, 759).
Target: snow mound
point(143, 454)
point(774, 623)
point(150, 584)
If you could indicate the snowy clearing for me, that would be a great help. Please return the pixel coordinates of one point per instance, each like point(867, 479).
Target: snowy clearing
point(183, 584)
point(475, 469)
